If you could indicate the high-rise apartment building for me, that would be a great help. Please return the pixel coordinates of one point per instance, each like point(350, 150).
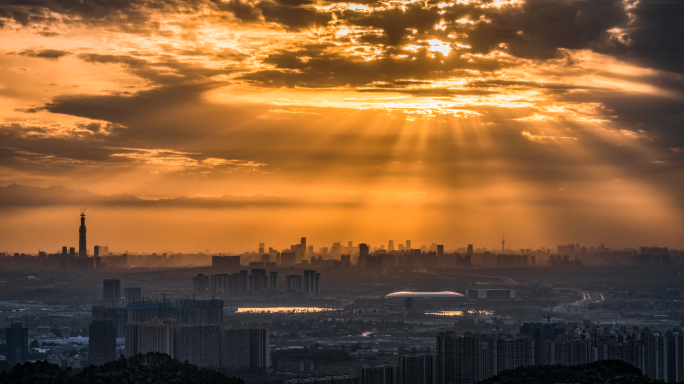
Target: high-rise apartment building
point(200, 284)
point(199, 344)
point(151, 336)
point(566, 350)
point(102, 342)
point(259, 349)
point(133, 295)
point(418, 369)
point(111, 292)
point(259, 280)
point(225, 262)
point(220, 283)
point(193, 311)
point(312, 283)
point(540, 332)
point(273, 280)
point(379, 374)
point(16, 342)
point(408, 245)
point(288, 259)
point(660, 357)
point(302, 248)
point(293, 283)
point(502, 353)
point(235, 349)
point(245, 349)
point(459, 358)
point(364, 252)
point(118, 316)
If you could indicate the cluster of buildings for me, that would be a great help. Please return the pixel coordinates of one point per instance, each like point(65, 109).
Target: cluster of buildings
point(240, 282)
point(186, 329)
point(206, 345)
point(471, 357)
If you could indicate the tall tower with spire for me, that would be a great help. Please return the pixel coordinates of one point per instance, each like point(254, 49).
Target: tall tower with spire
point(82, 237)
point(503, 244)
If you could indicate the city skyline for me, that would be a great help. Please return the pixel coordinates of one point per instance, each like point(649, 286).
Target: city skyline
point(344, 247)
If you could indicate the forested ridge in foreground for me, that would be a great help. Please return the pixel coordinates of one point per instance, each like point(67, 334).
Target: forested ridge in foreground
point(601, 372)
point(152, 368)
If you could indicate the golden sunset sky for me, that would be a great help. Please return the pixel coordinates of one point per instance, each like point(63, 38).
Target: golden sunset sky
point(552, 121)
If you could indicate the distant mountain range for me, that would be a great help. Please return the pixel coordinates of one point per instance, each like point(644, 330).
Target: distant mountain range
point(20, 196)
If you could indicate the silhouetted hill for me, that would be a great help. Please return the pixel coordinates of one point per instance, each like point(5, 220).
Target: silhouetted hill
point(602, 372)
point(152, 368)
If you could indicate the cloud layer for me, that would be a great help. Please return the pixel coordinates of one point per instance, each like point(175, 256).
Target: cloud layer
point(541, 104)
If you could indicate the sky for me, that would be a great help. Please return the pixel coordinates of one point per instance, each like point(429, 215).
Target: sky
point(455, 122)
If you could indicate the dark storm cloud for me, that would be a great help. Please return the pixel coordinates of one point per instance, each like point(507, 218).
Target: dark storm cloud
point(323, 68)
point(50, 54)
point(243, 10)
point(292, 14)
point(396, 23)
point(25, 12)
point(131, 16)
point(654, 37)
point(540, 27)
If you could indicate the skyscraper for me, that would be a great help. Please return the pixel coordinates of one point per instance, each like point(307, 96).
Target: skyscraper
point(102, 342)
point(408, 244)
point(111, 293)
point(82, 250)
point(390, 246)
point(262, 248)
point(16, 338)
